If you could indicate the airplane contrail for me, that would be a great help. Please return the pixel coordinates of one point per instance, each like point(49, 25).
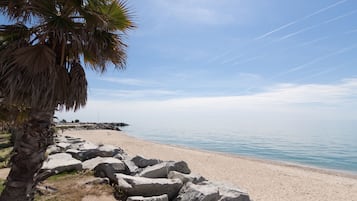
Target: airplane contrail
point(314, 26)
point(321, 58)
point(301, 19)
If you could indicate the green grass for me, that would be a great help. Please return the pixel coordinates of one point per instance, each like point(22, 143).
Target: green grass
point(2, 185)
point(63, 175)
point(5, 149)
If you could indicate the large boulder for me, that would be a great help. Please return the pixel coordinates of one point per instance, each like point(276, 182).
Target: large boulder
point(193, 178)
point(86, 151)
point(139, 186)
point(142, 162)
point(105, 170)
point(83, 146)
point(229, 192)
point(162, 170)
point(92, 163)
point(194, 192)
point(131, 166)
point(61, 162)
point(153, 198)
point(53, 149)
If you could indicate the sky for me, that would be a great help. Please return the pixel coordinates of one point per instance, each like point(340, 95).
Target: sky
point(248, 62)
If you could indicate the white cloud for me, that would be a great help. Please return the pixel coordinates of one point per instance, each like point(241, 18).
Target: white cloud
point(278, 103)
point(131, 94)
point(128, 81)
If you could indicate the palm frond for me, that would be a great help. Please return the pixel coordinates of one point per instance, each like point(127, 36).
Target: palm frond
point(39, 59)
point(78, 87)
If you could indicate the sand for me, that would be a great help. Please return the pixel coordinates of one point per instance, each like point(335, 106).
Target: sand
point(263, 180)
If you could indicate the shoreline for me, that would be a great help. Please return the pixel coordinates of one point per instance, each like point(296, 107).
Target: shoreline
point(263, 179)
point(335, 172)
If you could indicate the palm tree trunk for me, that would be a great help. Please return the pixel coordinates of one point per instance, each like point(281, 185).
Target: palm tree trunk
point(28, 156)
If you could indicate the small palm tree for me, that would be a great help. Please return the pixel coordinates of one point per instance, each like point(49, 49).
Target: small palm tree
point(41, 58)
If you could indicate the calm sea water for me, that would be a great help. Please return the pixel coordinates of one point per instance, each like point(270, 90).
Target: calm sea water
point(331, 150)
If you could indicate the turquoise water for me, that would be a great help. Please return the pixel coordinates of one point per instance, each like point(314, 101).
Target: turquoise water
point(330, 150)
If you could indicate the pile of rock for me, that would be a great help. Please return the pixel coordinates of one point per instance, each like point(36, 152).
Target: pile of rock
point(140, 179)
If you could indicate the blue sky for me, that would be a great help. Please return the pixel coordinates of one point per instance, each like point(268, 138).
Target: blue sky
point(206, 48)
point(245, 60)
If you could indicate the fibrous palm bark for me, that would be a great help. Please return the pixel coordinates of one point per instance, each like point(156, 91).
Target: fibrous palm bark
point(28, 156)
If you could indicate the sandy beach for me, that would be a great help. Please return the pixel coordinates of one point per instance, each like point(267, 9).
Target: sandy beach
point(263, 180)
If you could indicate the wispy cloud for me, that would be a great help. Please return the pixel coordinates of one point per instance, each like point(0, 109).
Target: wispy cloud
point(341, 16)
point(313, 41)
point(299, 20)
point(132, 94)
point(247, 60)
point(317, 25)
point(351, 31)
point(128, 81)
point(278, 104)
point(315, 60)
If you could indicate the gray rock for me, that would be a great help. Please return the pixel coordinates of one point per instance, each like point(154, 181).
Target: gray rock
point(194, 192)
point(86, 151)
point(92, 163)
point(139, 186)
point(61, 162)
point(142, 162)
point(109, 150)
point(105, 170)
point(193, 178)
point(53, 149)
point(180, 166)
point(132, 167)
point(229, 192)
point(84, 146)
point(63, 145)
point(162, 170)
point(154, 198)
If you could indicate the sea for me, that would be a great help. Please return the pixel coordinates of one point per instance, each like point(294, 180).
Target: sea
point(327, 150)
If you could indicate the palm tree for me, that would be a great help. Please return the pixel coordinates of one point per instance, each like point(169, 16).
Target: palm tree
point(41, 56)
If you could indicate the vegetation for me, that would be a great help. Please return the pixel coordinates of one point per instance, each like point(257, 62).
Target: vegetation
point(71, 187)
point(41, 69)
point(5, 148)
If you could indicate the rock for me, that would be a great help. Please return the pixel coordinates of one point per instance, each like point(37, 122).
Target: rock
point(86, 151)
point(92, 163)
point(194, 192)
point(180, 166)
point(119, 156)
point(53, 149)
point(139, 186)
point(154, 198)
point(193, 178)
point(61, 162)
point(132, 167)
point(156, 171)
point(63, 145)
point(97, 181)
point(109, 150)
point(105, 170)
point(142, 162)
point(84, 146)
point(162, 170)
point(228, 192)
